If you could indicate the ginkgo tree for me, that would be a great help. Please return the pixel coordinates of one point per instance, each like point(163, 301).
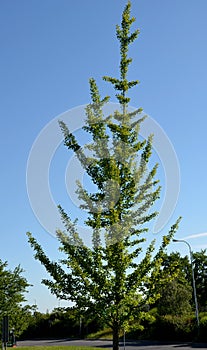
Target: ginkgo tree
point(114, 278)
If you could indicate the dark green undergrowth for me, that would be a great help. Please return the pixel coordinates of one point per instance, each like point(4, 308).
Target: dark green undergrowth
point(163, 328)
point(156, 327)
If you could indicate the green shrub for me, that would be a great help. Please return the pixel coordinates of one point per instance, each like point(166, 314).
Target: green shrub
point(203, 329)
point(166, 328)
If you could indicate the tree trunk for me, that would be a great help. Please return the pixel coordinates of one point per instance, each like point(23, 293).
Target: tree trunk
point(115, 336)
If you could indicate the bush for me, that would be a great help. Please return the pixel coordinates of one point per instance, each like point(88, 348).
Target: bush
point(167, 328)
point(203, 329)
point(180, 328)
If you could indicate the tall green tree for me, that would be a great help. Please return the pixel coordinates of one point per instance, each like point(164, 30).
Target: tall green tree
point(176, 293)
point(200, 272)
point(183, 266)
point(13, 287)
point(114, 279)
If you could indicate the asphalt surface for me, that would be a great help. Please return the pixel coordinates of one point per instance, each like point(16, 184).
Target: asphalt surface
point(138, 345)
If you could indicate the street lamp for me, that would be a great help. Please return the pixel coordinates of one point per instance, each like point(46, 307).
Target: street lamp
point(193, 279)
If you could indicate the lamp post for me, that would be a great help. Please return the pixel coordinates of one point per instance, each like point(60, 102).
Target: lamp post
point(193, 279)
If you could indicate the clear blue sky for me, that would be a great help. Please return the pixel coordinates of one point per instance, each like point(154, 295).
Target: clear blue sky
point(49, 49)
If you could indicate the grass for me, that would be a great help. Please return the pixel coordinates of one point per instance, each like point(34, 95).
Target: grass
point(104, 334)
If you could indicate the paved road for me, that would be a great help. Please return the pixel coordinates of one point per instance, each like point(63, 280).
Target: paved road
point(139, 345)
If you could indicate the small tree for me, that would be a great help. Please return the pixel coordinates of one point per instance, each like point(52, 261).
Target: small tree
point(113, 280)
